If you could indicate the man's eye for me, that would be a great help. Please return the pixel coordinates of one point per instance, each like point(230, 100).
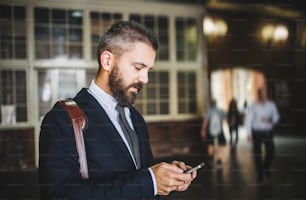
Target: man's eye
point(138, 67)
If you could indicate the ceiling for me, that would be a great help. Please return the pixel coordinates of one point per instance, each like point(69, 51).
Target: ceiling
point(282, 8)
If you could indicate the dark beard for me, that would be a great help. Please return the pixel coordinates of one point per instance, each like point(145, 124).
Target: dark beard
point(119, 91)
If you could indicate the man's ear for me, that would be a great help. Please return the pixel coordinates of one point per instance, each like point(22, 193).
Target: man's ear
point(107, 60)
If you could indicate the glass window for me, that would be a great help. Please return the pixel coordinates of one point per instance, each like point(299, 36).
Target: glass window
point(56, 84)
point(154, 98)
point(186, 90)
point(13, 96)
point(58, 33)
point(12, 32)
point(159, 26)
point(99, 23)
point(186, 39)
point(45, 91)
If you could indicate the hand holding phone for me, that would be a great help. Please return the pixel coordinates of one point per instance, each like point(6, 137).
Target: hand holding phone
point(199, 166)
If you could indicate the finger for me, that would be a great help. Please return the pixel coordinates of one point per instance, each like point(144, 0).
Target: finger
point(194, 174)
point(183, 178)
point(169, 167)
point(180, 164)
point(173, 167)
point(183, 187)
point(171, 186)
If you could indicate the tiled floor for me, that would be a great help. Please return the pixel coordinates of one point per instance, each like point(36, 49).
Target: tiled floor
point(236, 181)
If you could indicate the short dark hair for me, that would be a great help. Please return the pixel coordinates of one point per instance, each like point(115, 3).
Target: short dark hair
point(118, 38)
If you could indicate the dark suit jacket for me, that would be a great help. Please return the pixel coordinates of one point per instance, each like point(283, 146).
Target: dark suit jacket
point(112, 174)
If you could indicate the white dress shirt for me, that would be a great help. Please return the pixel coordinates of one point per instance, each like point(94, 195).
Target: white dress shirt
point(108, 103)
point(261, 116)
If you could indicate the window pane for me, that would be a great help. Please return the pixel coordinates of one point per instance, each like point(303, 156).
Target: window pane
point(7, 87)
point(186, 39)
point(44, 91)
point(151, 109)
point(13, 96)
point(151, 92)
point(186, 92)
point(182, 108)
point(117, 16)
point(164, 108)
point(149, 22)
point(163, 38)
point(67, 84)
point(42, 33)
point(76, 17)
point(191, 37)
point(139, 107)
point(75, 51)
point(21, 113)
point(12, 32)
point(58, 16)
point(59, 50)
point(42, 50)
point(164, 92)
point(41, 15)
point(75, 34)
point(19, 13)
point(152, 78)
point(20, 47)
point(21, 96)
point(58, 34)
point(6, 47)
point(135, 18)
point(5, 12)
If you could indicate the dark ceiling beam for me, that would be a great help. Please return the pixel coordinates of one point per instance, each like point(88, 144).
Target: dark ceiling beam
point(266, 9)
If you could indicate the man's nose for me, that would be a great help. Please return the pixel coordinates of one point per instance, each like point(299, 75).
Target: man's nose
point(144, 76)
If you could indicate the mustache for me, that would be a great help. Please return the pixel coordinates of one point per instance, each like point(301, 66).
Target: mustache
point(139, 86)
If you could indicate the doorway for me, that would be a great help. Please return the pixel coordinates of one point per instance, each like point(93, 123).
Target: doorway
point(238, 83)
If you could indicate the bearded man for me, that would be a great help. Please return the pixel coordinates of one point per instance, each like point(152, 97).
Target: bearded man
point(119, 157)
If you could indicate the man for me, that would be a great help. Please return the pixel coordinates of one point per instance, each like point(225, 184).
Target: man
point(212, 129)
point(260, 120)
point(119, 167)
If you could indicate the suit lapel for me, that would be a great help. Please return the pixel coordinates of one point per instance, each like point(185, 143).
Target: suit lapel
point(93, 108)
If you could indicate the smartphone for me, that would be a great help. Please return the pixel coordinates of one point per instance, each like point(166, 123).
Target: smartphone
point(199, 166)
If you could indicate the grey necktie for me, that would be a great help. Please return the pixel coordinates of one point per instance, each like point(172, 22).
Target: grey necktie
point(130, 135)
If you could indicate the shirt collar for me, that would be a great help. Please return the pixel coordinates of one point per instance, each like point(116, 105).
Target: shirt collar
point(103, 97)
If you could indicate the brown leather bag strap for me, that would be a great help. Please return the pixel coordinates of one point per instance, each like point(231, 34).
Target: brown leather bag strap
point(79, 122)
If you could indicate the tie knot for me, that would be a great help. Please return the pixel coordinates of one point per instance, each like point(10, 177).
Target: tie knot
point(120, 109)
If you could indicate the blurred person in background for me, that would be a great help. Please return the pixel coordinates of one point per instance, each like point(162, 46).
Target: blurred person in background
point(260, 121)
point(212, 129)
point(233, 121)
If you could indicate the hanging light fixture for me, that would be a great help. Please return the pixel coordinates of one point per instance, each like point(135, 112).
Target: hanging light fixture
point(276, 33)
point(214, 27)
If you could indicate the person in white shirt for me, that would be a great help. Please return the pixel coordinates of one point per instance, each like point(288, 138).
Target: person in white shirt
point(260, 121)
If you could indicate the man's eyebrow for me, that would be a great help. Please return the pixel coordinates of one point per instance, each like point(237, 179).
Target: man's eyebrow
point(142, 65)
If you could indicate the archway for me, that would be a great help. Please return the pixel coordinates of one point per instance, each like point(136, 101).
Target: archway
point(238, 83)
